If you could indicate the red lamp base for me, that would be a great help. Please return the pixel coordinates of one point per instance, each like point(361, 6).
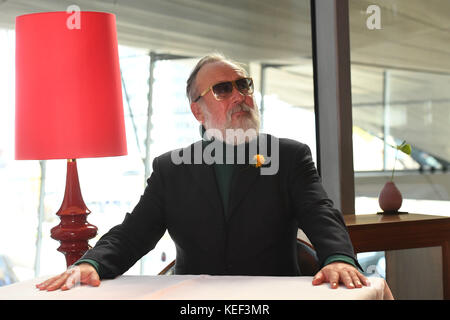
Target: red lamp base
point(74, 231)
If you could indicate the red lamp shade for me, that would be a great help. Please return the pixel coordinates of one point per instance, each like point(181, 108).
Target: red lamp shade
point(68, 87)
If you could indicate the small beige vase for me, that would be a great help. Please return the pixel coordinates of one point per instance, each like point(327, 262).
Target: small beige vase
point(390, 198)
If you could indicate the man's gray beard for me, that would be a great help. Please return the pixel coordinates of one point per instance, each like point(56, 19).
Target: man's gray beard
point(245, 130)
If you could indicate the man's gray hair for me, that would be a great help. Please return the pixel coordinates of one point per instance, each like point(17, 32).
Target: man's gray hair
point(191, 88)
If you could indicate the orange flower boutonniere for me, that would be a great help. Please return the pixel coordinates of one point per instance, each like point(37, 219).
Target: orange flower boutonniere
point(259, 160)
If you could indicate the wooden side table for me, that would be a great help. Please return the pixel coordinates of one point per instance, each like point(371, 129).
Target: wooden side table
point(376, 232)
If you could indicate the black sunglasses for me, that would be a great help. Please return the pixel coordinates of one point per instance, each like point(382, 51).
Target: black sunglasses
point(223, 90)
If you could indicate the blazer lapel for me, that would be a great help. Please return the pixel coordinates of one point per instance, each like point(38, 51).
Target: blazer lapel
point(204, 176)
point(244, 177)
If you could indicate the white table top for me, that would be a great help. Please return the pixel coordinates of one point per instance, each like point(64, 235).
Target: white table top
point(199, 287)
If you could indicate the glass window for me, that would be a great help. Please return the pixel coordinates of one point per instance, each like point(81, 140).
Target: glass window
point(400, 92)
point(289, 99)
point(272, 39)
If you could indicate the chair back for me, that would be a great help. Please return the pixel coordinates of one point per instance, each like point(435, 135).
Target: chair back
point(308, 261)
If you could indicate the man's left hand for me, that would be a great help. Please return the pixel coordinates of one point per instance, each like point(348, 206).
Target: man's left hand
point(337, 272)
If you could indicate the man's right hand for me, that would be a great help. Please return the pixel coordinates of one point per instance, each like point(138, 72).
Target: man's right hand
point(83, 273)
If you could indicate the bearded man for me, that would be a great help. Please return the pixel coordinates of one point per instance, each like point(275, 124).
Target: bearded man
point(225, 216)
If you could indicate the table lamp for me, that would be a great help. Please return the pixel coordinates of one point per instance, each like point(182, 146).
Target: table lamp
point(68, 105)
